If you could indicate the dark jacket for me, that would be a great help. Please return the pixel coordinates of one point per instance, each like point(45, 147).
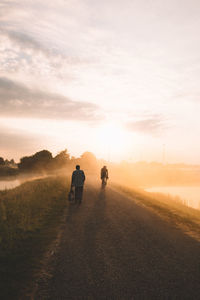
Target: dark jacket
point(78, 178)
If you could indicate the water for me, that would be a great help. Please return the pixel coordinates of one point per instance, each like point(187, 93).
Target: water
point(190, 195)
point(9, 184)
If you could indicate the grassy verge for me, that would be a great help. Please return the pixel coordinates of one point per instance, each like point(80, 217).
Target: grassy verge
point(29, 220)
point(167, 207)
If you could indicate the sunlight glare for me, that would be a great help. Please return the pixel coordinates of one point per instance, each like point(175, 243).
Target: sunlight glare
point(113, 141)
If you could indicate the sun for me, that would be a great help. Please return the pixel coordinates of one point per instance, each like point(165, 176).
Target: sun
point(113, 141)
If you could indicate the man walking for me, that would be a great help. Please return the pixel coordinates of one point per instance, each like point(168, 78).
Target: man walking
point(78, 179)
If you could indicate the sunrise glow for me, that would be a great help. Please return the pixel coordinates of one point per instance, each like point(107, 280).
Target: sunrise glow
point(85, 74)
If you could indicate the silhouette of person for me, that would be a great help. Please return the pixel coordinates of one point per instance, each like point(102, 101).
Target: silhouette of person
point(104, 175)
point(78, 179)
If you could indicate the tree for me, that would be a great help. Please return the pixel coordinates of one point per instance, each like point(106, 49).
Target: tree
point(39, 161)
point(88, 160)
point(62, 158)
point(12, 161)
point(2, 162)
point(88, 157)
point(26, 163)
point(43, 155)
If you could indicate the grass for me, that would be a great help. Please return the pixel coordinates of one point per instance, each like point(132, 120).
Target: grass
point(30, 216)
point(167, 207)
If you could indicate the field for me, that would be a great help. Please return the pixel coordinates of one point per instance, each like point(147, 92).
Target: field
point(29, 220)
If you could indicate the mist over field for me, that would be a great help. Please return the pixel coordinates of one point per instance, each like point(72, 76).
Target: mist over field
point(179, 180)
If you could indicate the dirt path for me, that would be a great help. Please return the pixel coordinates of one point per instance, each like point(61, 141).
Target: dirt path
point(111, 248)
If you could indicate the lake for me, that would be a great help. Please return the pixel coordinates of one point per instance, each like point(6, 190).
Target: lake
point(190, 195)
point(9, 184)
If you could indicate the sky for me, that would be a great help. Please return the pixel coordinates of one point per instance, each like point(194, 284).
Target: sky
point(119, 78)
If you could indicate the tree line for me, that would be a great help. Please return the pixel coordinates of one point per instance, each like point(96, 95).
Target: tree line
point(44, 161)
point(6, 162)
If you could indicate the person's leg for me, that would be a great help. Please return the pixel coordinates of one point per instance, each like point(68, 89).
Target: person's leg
point(76, 194)
point(79, 194)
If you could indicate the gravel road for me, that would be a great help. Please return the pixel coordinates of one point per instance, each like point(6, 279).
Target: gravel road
point(113, 248)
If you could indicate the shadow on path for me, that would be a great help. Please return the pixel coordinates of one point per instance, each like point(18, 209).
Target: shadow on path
point(72, 210)
point(93, 244)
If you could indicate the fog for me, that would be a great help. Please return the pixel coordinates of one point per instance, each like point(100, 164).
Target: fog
point(179, 180)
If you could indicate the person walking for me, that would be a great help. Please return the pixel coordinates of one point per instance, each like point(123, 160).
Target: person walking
point(78, 179)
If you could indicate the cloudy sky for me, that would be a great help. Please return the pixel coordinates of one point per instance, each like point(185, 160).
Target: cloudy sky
point(119, 78)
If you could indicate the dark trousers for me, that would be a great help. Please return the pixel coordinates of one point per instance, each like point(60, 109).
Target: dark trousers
point(78, 193)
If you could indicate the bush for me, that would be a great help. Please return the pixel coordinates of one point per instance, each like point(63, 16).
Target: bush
point(26, 208)
point(8, 171)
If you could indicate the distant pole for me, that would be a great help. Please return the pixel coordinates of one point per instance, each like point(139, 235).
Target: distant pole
point(108, 154)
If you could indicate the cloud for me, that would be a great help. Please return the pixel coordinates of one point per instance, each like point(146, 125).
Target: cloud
point(15, 139)
point(31, 56)
point(20, 101)
point(26, 43)
point(151, 125)
point(16, 143)
point(22, 40)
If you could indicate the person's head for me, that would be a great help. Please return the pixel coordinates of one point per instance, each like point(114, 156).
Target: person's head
point(105, 167)
point(77, 167)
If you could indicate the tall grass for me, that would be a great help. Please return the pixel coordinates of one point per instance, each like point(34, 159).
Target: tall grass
point(29, 219)
point(167, 207)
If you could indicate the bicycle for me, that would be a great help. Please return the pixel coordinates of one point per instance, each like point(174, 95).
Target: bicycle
point(104, 182)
